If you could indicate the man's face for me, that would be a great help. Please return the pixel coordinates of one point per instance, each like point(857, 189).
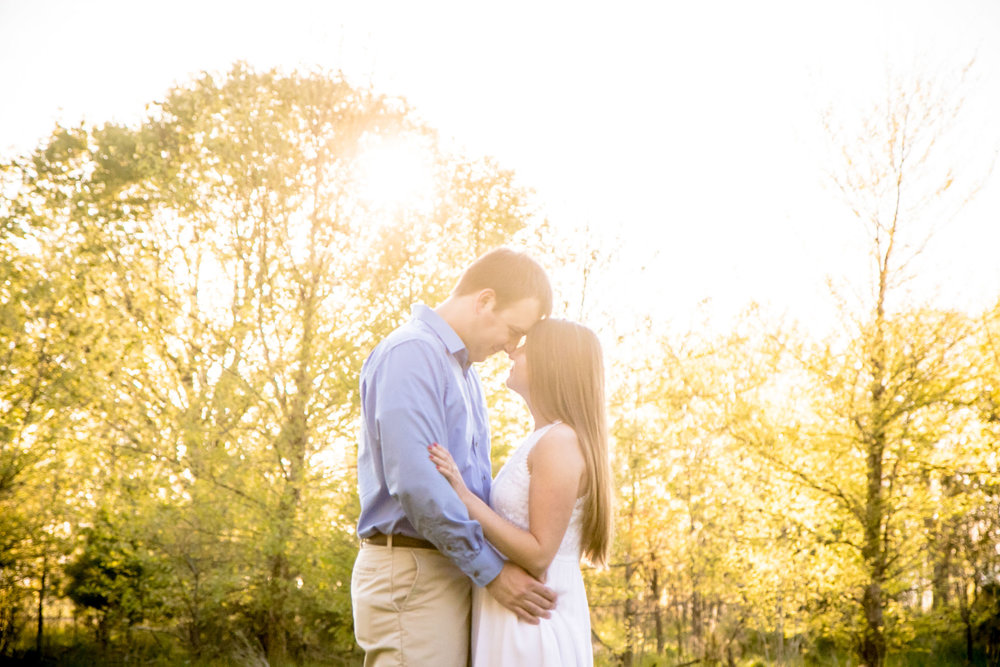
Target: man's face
point(502, 329)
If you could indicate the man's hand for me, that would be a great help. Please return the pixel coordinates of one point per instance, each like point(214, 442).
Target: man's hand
point(522, 594)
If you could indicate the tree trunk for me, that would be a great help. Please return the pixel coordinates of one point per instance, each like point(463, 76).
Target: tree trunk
point(965, 612)
point(872, 650)
point(655, 587)
point(275, 642)
point(40, 633)
point(281, 574)
point(873, 550)
point(942, 568)
point(697, 616)
point(873, 642)
point(631, 620)
point(681, 624)
point(292, 445)
point(779, 613)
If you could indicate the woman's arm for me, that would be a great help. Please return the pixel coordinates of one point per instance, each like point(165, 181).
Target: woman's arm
point(557, 469)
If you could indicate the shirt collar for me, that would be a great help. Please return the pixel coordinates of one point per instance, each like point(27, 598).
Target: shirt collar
point(451, 340)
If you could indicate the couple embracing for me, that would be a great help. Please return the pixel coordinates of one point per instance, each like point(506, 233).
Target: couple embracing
point(456, 567)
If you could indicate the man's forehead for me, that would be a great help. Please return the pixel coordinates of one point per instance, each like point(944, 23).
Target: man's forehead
point(523, 314)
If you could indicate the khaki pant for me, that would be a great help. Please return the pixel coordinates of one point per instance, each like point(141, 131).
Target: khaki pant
point(411, 607)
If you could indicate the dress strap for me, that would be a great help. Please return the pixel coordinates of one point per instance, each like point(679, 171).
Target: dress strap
point(537, 435)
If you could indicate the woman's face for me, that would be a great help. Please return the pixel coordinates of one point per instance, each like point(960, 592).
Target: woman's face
point(518, 377)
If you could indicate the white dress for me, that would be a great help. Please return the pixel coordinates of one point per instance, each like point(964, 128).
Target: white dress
point(499, 638)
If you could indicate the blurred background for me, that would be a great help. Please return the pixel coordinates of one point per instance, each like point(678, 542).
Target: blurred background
point(781, 218)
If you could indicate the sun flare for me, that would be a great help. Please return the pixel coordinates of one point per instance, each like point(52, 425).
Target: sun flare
point(396, 173)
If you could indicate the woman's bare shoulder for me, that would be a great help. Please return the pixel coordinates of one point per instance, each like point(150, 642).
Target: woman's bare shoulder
point(559, 442)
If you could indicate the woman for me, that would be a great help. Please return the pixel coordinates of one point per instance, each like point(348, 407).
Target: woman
point(551, 501)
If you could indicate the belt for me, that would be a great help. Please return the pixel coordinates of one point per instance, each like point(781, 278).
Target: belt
point(398, 541)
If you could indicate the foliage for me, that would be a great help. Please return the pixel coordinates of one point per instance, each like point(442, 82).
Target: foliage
point(224, 276)
point(184, 309)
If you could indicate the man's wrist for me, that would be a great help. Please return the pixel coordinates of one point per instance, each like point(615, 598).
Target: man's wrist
point(485, 567)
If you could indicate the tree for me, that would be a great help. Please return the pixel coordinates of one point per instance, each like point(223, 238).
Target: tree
point(236, 274)
point(697, 564)
point(115, 577)
point(881, 395)
point(46, 340)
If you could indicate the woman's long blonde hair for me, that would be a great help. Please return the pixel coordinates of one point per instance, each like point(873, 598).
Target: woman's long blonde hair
point(566, 382)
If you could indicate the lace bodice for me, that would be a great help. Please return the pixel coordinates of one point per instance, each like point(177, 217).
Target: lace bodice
point(509, 495)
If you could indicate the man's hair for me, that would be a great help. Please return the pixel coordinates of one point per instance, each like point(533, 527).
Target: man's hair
point(512, 275)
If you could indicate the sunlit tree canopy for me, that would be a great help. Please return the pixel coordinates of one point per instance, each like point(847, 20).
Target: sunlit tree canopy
point(185, 305)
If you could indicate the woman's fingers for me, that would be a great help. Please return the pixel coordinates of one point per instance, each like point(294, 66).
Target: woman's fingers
point(440, 455)
point(443, 461)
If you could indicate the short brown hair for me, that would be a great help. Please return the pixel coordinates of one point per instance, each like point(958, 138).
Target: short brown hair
point(512, 275)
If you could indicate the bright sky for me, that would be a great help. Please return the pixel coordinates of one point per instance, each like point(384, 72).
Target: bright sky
point(690, 129)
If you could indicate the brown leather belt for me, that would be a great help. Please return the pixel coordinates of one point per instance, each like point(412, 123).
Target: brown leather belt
point(398, 541)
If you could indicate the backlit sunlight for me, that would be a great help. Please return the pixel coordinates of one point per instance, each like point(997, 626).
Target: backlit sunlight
point(396, 173)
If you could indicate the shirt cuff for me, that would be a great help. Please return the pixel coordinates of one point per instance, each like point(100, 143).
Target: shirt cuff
point(485, 567)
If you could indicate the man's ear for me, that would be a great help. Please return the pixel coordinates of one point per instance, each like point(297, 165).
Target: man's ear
point(486, 300)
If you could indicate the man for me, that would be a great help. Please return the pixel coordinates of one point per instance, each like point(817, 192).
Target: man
point(420, 550)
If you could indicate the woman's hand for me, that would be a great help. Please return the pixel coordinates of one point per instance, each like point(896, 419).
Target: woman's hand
point(445, 464)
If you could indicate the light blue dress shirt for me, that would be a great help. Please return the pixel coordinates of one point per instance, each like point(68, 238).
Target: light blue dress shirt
point(418, 388)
